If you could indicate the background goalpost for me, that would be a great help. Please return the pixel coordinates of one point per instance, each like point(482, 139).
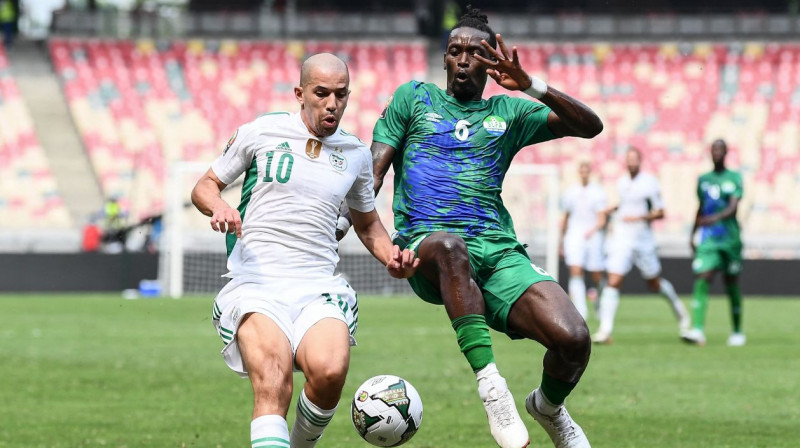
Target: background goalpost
point(192, 256)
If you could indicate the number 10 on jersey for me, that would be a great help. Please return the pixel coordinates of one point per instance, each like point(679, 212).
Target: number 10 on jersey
point(283, 170)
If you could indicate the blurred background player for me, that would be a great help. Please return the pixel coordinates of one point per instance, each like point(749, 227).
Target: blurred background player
point(632, 243)
point(451, 150)
point(582, 230)
point(720, 248)
point(284, 307)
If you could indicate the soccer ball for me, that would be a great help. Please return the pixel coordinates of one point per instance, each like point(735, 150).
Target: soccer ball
point(386, 410)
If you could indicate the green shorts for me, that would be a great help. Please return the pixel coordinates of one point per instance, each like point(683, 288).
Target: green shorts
point(723, 258)
point(501, 268)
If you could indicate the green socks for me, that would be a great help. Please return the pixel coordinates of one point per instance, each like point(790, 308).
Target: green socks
point(474, 340)
point(554, 390)
point(700, 303)
point(735, 297)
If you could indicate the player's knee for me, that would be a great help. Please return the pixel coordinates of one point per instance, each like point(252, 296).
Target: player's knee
point(450, 248)
point(328, 376)
point(575, 342)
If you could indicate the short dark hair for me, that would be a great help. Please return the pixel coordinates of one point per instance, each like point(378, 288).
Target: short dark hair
point(473, 18)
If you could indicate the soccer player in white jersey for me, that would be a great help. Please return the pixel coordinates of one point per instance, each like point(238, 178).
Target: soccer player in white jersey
point(582, 229)
point(284, 308)
point(632, 242)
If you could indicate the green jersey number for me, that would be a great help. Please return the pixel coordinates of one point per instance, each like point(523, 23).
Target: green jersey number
point(284, 167)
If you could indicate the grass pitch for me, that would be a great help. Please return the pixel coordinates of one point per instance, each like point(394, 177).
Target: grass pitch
point(99, 371)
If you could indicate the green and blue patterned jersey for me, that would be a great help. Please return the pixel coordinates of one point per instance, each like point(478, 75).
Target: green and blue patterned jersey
point(452, 156)
point(715, 190)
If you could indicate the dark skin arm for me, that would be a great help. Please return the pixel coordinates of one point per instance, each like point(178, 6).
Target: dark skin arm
point(382, 155)
point(702, 221)
point(569, 117)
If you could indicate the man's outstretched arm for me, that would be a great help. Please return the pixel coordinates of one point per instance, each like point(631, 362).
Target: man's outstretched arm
point(568, 117)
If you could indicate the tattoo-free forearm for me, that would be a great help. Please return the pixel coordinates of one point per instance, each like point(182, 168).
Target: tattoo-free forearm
point(373, 235)
point(574, 118)
point(207, 197)
point(382, 155)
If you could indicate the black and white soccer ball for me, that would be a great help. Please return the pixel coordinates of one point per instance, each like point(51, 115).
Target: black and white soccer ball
point(386, 410)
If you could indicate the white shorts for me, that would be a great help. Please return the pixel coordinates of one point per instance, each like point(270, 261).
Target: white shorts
point(622, 257)
point(294, 305)
point(588, 254)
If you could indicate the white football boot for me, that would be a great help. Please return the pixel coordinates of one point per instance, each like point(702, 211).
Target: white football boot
point(602, 338)
point(505, 423)
point(737, 340)
point(561, 428)
point(694, 336)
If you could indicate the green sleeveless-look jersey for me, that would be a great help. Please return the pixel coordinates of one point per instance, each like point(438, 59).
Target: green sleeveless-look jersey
point(452, 157)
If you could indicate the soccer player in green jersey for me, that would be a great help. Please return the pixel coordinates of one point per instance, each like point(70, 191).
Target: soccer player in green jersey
point(450, 150)
point(720, 248)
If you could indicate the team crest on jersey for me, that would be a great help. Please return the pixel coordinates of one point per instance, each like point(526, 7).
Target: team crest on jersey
point(388, 102)
point(495, 125)
point(338, 161)
point(728, 187)
point(230, 141)
point(313, 148)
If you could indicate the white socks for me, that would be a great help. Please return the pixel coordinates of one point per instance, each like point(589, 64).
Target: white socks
point(543, 405)
point(666, 289)
point(577, 292)
point(488, 378)
point(609, 300)
point(309, 422)
point(269, 431)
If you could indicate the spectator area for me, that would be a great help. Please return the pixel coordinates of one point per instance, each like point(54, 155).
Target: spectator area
point(142, 104)
point(29, 197)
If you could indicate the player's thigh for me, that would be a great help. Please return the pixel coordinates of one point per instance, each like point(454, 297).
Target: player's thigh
point(646, 260)
point(707, 260)
point(238, 302)
point(323, 354)
point(263, 344)
point(504, 285)
point(545, 314)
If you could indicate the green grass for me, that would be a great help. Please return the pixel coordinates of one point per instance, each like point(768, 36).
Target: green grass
point(100, 371)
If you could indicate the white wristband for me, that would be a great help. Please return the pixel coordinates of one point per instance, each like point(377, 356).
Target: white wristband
point(537, 89)
point(343, 224)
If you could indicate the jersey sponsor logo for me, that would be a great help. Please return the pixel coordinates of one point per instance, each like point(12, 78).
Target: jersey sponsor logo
point(283, 147)
point(338, 161)
point(434, 117)
point(230, 141)
point(495, 125)
point(313, 148)
point(386, 107)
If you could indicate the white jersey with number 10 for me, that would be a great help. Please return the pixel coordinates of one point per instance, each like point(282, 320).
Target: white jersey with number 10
point(294, 184)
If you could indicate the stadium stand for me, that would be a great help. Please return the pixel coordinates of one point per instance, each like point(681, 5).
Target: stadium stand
point(141, 104)
point(29, 197)
point(672, 100)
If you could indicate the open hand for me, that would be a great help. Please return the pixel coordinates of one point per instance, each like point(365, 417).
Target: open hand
point(403, 263)
point(227, 220)
point(505, 69)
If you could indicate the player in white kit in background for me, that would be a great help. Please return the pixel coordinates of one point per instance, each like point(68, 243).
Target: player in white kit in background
point(582, 230)
point(284, 308)
point(632, 243)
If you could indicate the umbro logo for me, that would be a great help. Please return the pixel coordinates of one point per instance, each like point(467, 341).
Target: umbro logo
point(434, 117)
point(283, 147)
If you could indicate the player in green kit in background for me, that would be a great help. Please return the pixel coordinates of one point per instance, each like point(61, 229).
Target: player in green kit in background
point(450, 150)
point(720, 248)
